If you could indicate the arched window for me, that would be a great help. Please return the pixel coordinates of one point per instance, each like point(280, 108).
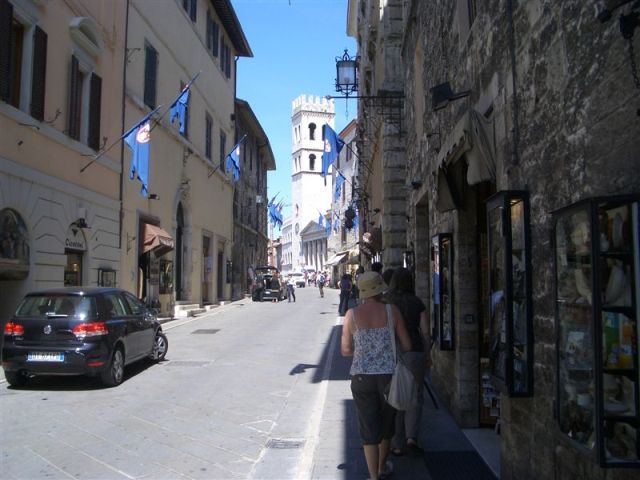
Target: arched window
point(312, 162)
point(14, 246)
point(312, 131)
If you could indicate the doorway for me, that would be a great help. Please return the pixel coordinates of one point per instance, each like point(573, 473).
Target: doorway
point(179, 253)
point(220, 273)
point(207, 261)
point(489, 397)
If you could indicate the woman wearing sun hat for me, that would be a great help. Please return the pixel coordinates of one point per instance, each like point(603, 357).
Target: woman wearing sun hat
point(367, 337)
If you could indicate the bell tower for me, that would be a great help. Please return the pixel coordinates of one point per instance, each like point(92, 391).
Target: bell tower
point(310, 192)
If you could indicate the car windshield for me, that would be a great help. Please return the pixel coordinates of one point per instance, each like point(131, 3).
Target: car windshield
point(68, 305)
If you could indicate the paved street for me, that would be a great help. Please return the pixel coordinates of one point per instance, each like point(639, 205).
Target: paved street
point(248, 391)
point(237, 397)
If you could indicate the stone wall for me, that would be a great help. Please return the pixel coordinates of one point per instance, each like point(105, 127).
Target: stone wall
point(569, 130)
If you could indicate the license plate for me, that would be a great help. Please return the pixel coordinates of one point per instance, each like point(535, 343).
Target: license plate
point(45, 357)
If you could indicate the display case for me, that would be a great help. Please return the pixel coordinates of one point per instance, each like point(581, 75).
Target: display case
point(442, 294)
point(596, 244)
point(510, 317)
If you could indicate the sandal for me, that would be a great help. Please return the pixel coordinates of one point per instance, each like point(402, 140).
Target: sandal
point(414, 448)
point(397, 452)
point(386, 471)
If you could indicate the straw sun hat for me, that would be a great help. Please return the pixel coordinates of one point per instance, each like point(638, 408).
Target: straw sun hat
point(370, 284)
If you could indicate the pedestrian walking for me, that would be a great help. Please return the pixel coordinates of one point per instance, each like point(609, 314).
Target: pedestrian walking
point(418, 358)
point(320, 282)
point(367, 334)
point(291, 288)
point(345, 285)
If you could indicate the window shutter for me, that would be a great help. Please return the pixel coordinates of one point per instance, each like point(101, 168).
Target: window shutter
point(94, 112)
point(150, 76)
point(74, 100)
point(39, 73)
point(193, 11)
point(214, 39)
point(6, 18)
point(209, 30)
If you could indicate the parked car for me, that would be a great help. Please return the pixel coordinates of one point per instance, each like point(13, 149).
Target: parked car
point(79, 331)
point(267, 284)
point(298, 277)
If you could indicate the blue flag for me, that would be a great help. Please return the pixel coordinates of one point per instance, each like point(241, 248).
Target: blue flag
point(320, 222)
point(137, 139)
point(332, 146)
point(339, 182)
point(233, 160)
point(327, 228)
point(179, 109)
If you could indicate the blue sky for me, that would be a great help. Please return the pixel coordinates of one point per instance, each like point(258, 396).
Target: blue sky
point(294, 44)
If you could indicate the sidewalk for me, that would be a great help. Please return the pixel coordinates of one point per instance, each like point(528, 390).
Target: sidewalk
point(339, 455)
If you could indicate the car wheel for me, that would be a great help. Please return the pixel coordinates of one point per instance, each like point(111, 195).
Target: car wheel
point(114, 374)
point(15, 379)
point(261, 296)
point(160, 347)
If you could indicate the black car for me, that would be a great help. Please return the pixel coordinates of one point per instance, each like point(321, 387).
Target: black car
point(79, 331)
point(267, 284)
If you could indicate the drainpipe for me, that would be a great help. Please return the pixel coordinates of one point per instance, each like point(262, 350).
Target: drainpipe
point(124, 94)
point(515, 155)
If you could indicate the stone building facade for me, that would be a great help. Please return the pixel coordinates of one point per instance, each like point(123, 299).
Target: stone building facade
point(342, 240)
point(60, 95)
point(535, 99)
point(192, 202)
point(250, 237)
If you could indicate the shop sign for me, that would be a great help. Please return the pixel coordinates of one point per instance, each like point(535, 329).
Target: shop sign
point(75, 239)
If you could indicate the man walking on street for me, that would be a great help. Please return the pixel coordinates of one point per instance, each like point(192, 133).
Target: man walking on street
point(291, 288)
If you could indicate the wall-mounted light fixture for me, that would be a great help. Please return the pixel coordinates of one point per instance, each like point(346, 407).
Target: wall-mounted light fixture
point(442, 94)
point(388, 103)
point(347, 74)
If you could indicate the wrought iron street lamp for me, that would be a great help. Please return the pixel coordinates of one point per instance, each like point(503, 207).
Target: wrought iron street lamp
point(346, 74)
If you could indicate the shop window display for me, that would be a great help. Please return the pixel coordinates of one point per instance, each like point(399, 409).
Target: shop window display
point(442, 290)
point(510, 316)
point(596, 244)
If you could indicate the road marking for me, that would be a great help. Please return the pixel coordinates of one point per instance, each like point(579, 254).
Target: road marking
point(305, 466)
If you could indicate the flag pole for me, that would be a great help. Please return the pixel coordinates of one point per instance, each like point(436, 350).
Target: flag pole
point(186, 87)
point(115, 142)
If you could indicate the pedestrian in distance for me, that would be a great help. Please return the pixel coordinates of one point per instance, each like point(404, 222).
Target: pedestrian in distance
point(402, 294)
point(291, 288)
point(345, 285)
point(377, 267)
point(320, 282)
point(367, 334)
point(386, 275)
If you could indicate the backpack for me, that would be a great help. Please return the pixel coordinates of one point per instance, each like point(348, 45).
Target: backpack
point(321, 280)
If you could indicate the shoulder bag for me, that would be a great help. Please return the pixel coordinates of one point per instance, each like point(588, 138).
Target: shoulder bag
point(403, 390)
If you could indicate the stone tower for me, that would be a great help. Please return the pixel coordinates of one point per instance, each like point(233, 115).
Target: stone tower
point(310, 194)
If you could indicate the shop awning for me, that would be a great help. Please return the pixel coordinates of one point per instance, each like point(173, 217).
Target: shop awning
point(156, 240)
point(473, 137)
point(336, 259)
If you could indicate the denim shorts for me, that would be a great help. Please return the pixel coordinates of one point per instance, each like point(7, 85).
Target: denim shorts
point(376, 418)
